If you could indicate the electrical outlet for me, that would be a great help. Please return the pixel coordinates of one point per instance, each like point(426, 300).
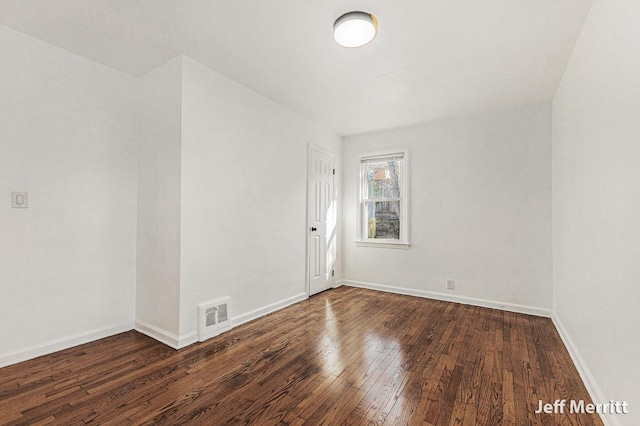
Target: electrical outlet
point(450, 285)
point(19, 200)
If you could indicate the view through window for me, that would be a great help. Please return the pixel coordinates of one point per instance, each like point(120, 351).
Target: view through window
point(383, 198)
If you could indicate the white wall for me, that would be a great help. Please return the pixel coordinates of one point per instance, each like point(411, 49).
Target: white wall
point(480, 210)
point(159, 168)
point(596, 187)
point(244, 185)
point(74, 134)
point(67, 136)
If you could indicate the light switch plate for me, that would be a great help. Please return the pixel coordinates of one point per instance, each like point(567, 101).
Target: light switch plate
point(19, 200)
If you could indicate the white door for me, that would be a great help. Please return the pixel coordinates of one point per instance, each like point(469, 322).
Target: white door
point(322, 220)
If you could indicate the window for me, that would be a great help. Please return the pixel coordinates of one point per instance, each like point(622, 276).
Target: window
point(383, 200)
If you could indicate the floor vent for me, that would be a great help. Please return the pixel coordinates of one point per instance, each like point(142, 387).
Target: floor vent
point(213, 318)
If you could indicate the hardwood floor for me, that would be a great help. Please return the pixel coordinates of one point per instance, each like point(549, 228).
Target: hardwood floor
point(345, 356)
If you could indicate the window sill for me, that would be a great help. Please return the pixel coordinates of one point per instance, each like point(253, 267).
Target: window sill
point(386, 244)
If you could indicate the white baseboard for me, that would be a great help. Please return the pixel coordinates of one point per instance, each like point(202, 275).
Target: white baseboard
point(179, 342)
point(163, 336)
point(276, 306)
point(61, 344)
point(504, 306)
point(587, 378)
point(187, 339)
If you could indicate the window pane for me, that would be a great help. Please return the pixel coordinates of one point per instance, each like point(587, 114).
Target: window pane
point(383, 219)
point(383, 179)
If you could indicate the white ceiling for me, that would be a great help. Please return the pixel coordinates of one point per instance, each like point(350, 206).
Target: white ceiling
point(432, 59)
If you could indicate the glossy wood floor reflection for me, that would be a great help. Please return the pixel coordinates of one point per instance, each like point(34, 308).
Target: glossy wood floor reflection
point(346, 356)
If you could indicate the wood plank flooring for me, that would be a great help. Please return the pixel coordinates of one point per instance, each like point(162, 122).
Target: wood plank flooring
point(345, 356)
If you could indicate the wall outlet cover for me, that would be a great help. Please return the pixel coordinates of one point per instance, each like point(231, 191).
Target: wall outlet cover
point(19, 200)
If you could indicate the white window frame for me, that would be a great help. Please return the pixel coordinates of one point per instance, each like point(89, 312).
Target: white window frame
point(362, 238)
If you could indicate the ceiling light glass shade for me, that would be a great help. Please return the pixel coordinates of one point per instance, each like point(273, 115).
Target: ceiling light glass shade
point(355, 29)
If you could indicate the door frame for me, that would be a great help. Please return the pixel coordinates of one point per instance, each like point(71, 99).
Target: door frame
point(312, 147)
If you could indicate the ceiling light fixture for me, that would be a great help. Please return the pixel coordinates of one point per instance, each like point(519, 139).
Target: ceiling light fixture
point(355, 29)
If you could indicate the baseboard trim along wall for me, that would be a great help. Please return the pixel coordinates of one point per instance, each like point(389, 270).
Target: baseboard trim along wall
point(179, 342)
point(504, 306)
point(260, 312)
point(589, 382)
point(163, 336)
point(61, 344)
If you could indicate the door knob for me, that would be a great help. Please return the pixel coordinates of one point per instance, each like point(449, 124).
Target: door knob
point(313, 229)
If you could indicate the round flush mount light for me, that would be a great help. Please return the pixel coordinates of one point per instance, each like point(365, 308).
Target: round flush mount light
point(355, 29)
